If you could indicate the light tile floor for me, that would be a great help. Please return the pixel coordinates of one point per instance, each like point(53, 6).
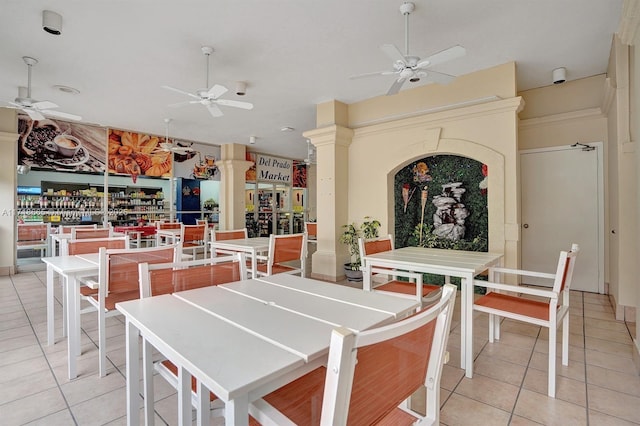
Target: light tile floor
point(599, 387)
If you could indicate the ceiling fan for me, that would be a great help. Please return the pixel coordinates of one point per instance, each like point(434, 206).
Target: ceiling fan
point(37, 110)
point(172, 146)
point(412, 68)
point(210, 98)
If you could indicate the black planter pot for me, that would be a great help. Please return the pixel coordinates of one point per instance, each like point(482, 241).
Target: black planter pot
point(352, 275)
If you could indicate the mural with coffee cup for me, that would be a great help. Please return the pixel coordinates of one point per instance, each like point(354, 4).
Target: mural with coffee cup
point(198, 163)
point(60, 145)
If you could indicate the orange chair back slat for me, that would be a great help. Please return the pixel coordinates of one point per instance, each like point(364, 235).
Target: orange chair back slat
point(377, 246)
point(287, 249)
point(32, 232)
point(68, 229)
point(230, 235)
point(123, 267)
point(93, 246)
point(91, 233)
point(165, 281)
point(394, 367)
point(194, 233)
point(169, 225)
point(312, 229)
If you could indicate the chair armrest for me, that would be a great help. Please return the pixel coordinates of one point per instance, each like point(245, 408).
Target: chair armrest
point(523, 272)
point(517, 289)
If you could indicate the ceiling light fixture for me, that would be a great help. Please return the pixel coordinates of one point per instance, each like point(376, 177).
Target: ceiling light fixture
point(66, 89)
point(559, 75)
point(51, 22)
point(241, 88)
point(252, 140)
point(287, 129)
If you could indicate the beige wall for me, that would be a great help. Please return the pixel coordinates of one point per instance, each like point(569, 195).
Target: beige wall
point(475, 116)
point(8, 138)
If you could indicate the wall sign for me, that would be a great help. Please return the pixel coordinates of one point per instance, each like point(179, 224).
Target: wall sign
point(273, 169)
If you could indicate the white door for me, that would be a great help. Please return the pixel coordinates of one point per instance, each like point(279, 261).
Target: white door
point(562, 203)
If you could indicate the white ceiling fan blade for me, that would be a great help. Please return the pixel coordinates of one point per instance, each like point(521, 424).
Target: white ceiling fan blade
point(395, 87)
point(216, 91)
point(235, 104)
point(215, 110)
point(372, 74)
point(440, 78)
point(63, 115)
point(392, 52)
point(443, 56)
point(179, 104)
point(33, 114)
point(43, 105)
point(181, 91)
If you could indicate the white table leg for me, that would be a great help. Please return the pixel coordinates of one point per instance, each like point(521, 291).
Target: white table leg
point(204, 405)
point(65, 321)
point(254, 264)
point(184, 397)
point(236, 411)
point(147, 374)
point(467, 331)
point(50, 307)
point(72, 344)
point(133, 375)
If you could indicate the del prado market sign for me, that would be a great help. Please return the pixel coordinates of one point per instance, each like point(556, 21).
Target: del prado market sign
point(273, 169)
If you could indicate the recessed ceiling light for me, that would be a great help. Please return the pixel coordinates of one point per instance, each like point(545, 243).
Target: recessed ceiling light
point(287, 129)
point(66, 89)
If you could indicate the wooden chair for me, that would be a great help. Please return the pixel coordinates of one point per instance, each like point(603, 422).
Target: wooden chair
point(166, 278)
point(202, 222)
point(543, 307)
point(311, 228)
point(34, 236)
point(166, 225)
point(194, 237)
point(233, 234)
point(425, 293)
point(118, 281)
point(285, 248)
point(81, 233)
point(370, 375)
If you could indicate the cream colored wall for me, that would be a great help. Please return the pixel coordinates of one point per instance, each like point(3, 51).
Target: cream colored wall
point(8, 138)
point(391, 131)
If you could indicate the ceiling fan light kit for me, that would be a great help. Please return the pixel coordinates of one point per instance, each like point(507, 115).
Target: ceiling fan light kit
point(410, 67)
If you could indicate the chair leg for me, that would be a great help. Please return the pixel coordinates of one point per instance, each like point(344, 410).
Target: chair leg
point(565, 340)
point(552, 362)
point(102, 341)
point(492, 319)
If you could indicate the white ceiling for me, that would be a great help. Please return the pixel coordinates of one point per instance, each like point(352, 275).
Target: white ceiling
point(292, 53)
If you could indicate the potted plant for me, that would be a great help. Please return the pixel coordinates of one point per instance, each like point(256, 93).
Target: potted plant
point(367, 230)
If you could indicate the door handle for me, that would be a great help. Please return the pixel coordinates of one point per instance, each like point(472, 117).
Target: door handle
point(525, 226)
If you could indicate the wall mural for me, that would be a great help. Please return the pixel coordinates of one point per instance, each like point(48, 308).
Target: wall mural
point(56, 145)
point(200, 163)
point(137, 154)
point(441, 202)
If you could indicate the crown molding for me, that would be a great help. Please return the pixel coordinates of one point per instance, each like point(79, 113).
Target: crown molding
point(557, 118)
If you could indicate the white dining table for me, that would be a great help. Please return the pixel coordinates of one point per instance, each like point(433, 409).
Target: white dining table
point(69, 268)
point(450, 263)
point(244, 339)
point(251, 246)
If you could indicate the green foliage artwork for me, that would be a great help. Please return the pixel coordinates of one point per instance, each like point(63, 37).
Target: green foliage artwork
point(414, 227)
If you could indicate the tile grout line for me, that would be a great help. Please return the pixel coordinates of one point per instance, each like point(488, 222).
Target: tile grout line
point(42, 350)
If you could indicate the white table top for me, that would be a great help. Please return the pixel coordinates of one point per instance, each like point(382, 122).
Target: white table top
point(237, 343)
point(257, 243)
point(449, 261)
point(71, 264)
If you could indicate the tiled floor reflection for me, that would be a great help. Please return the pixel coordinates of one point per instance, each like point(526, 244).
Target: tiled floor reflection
point(599, 387)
